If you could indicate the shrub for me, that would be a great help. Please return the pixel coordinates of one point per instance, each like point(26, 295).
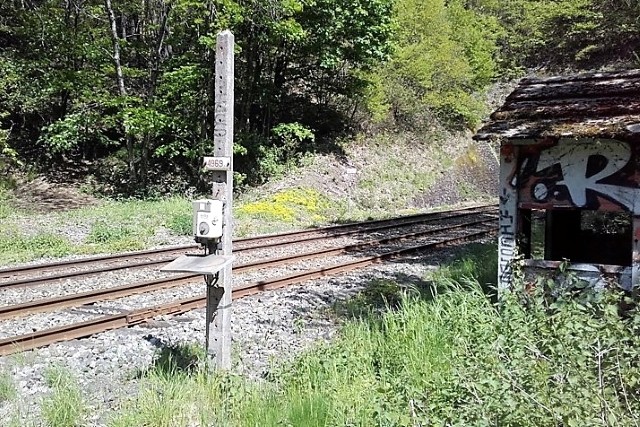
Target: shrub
point(284, 150)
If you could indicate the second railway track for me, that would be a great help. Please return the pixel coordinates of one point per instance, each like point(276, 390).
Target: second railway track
point(44, 305)
point(29, 275)
point(366, 254)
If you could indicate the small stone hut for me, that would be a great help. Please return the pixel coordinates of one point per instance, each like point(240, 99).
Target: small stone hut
point(570, 176)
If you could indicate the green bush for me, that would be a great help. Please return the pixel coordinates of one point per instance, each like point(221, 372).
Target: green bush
point(284, 150)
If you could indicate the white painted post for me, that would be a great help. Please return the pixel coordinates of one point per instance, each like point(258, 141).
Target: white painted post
point(635, 256)
point(219, 295)
point(508, 222)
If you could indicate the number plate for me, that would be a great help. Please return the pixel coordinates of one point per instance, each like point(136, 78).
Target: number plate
point(217, 163)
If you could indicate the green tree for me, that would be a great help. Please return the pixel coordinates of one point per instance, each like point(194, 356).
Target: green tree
point(444, 57)
point(566, 33)
point(97, 77)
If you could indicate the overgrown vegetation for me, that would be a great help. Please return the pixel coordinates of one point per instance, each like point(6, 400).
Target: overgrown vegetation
point(64, 407)
point(126, 87)
point(440, 356)
point(8, 390)
point(114, 226)
point(117, 226)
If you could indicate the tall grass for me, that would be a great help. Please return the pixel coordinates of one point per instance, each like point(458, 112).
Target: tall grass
point(6, 207)
point(114, 226)
point(64, 407)
point(373, 375)
point(452, 359)
point(8, 390)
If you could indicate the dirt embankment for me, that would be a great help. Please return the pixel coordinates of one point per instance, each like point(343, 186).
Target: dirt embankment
point(402, 171)
point(388, 172)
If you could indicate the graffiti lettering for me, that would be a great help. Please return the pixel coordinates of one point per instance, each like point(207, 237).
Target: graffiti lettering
point(507, 246)
point(573, 159)
point(507, 221)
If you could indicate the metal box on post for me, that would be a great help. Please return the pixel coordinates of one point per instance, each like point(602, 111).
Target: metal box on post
point(207, 219)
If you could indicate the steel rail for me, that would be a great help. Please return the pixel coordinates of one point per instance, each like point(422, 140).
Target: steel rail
point(87, 328)
point(73, 274)
point(74, 300)
point(5, 272)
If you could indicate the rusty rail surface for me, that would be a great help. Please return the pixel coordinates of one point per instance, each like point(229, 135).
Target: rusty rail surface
point(300, 237)
point(87, 328)
point(50, 304)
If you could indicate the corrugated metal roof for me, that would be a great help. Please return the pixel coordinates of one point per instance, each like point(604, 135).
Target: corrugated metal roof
point(605, 105)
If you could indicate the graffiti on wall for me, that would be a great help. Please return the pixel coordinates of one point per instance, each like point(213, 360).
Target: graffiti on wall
point(592, 175)
point(508, 216)
point(506, 243)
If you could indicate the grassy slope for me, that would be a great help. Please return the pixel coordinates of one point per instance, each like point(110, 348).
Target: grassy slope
point(110, 227)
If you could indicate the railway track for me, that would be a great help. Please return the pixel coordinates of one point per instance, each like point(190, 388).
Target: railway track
point(44, 305)
point(468, 230)
point(29, 275)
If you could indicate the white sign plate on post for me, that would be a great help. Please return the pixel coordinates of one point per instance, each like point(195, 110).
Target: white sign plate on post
point(217, 163)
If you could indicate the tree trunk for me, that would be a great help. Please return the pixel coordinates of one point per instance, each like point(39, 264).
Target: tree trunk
point(121, 87)
point(160, 34)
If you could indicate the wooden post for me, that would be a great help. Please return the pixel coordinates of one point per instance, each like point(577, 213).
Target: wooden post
point(219, 294)
point(508, 221)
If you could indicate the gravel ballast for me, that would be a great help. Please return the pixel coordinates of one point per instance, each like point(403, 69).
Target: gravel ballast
point(267, 328)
